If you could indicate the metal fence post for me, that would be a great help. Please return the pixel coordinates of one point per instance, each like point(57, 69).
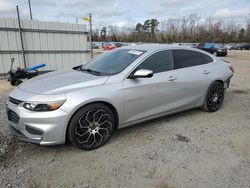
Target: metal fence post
point(90, 37)
point(21, 36)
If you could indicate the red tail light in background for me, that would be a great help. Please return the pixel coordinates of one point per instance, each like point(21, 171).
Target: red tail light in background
point(231, 68)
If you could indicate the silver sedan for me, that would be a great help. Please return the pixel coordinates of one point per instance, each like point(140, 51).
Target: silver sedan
point(118, 88)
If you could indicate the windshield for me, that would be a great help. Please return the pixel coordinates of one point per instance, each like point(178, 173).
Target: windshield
point(112, 62)
point(218, 46)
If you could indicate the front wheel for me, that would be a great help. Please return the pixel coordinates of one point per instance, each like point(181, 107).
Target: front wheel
point(91, 126)
point(215, 53)
point(214, 98)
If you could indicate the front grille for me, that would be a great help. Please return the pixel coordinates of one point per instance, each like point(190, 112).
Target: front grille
point(12, 116)
point(15, 101)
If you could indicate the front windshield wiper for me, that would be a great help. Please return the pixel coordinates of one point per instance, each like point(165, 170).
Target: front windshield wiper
point(91, 71)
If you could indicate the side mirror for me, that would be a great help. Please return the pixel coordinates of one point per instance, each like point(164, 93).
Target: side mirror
point(142, 73)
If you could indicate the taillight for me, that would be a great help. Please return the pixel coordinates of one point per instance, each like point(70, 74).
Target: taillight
point(231, 68)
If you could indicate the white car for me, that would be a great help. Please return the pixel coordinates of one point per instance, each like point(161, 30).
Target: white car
point(122, 87)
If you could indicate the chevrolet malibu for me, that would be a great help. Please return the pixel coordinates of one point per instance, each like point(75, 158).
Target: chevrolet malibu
point(118, 88)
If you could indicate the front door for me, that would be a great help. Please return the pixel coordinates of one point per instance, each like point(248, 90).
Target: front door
point(145, 97)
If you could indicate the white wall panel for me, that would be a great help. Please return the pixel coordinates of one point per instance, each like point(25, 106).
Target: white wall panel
point(58, 49)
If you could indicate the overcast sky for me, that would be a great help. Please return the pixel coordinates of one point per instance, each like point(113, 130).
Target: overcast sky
point(125, 12)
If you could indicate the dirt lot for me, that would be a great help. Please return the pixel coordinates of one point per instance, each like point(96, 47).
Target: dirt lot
point(189, 149)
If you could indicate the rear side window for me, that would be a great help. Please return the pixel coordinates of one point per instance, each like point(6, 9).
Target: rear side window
point(206, 58)
point(159, 62)
point(189, 58)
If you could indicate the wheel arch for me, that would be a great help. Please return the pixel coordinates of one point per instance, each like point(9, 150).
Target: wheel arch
point(217, 80)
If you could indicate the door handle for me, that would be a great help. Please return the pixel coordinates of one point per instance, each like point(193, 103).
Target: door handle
point(172, 78)
point(206, 72)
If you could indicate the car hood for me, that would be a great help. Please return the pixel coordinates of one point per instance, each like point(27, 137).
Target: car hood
point(61, 82)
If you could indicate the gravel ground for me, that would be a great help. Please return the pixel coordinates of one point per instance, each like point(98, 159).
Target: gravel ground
point(188, 149)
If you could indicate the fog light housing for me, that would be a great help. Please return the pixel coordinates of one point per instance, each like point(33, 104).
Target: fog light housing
point(34, 131)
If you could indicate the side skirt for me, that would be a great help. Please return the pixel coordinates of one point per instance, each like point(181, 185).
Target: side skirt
point(155, 117)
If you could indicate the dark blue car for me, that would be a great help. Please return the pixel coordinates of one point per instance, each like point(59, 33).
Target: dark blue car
point(213, 48)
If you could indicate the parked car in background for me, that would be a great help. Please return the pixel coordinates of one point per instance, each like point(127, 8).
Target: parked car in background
point(238, 46)
point(246, 46)
point(243, 46)
point(95, 46)
point(193, 45)
point(234, 47)
point(228, 46)
point(119, 88)
point(119, 44)
point(108, 46)
point(213, 48)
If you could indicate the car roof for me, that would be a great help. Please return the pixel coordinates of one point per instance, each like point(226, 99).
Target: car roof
point(154, 47)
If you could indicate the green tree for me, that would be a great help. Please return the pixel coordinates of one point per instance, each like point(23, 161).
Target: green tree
point(248, 29)
point(139, 27)
point(151, 25)
point(104, 33)
point(241, 35)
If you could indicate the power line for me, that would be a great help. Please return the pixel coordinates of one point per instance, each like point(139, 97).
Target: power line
point(30, 10)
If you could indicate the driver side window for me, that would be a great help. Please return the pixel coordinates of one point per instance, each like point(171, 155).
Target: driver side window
point(159, 62)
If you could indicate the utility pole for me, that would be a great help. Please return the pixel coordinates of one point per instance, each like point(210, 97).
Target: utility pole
point(30, 10)
point(90, 36)
point(21, 36)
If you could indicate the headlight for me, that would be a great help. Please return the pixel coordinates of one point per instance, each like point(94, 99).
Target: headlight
point(43, 107)
point(219, 50)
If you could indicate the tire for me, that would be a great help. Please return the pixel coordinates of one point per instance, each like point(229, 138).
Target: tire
point(13, 82)
point(215, 53)
point(91, 126)
point(18, 82)
point(214, 97)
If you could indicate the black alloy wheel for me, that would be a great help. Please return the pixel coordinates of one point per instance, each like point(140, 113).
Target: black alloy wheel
point(91, 126)
point(214, 98)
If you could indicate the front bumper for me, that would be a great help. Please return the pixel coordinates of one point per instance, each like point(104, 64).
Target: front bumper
point(222, 53)
point(44, 128)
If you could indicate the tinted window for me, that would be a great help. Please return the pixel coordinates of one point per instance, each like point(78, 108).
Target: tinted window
point(158, 62)
point(188, 58)
point(206, 58)
point(114, 61)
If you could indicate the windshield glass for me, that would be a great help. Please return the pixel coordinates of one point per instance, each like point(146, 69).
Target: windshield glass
point(218, 46)
point(113, 62)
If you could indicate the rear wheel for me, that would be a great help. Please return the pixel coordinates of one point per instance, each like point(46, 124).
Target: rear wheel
point(91, 126)
point(215, 53)
point(214, 98)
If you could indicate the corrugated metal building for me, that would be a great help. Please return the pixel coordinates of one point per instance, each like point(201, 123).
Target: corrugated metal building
point(58, 45)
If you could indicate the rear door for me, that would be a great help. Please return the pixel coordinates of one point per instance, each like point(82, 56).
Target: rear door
point(193, 72)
